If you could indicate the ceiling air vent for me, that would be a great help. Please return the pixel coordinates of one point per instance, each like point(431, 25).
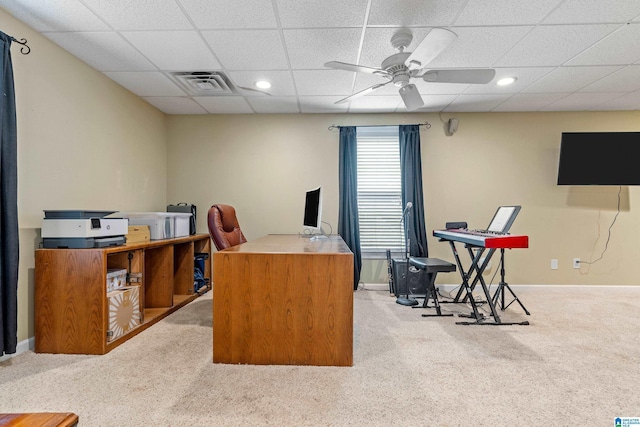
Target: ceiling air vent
point(204, 83)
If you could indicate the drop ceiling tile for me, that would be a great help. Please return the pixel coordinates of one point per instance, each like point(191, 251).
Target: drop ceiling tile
point(478, 46)
point(281, 82)
point(567, 41)
point(629, 101)
point(439, 13)
point(624, 80)
point(248, 50)
point(224, 104)
point(140, 15)
point(150, 83)
point(54, 15)
point(323, 82)
point(225, 14)
point(175, 105)
point(382, 103)
point(104, 51)
point(173, 50)
point(581, 102)
point(569, 79)
point(471, 103)
point(595, 11)
point(619, 47)
point(504, 12)
point(326, 13)
point(270, 104)
point(322, 104)
point(433, 103)
point(529, 101)
point(525, 77)
point(310, 49)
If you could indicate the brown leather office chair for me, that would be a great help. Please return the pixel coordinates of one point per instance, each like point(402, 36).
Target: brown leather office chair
point(224, 228)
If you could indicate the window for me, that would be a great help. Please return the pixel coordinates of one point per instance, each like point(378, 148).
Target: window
point(379, 191)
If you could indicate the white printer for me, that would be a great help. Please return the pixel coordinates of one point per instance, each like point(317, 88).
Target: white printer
point(78, 229)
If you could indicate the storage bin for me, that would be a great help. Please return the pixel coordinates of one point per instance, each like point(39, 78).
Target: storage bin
point(162, 225)
point(182, 224)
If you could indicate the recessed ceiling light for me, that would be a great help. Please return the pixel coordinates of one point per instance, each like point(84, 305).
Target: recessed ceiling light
point(506, 81)
point(263, 84)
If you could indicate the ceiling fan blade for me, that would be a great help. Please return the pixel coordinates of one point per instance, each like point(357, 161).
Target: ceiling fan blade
point(362, 92)
point(472, 76)
point(435, 42)
point(411, 97)
point(352, 67)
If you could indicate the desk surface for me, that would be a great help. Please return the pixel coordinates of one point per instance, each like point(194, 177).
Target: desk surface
point(292, 244)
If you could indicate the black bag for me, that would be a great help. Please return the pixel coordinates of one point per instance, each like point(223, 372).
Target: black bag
point(185, 208)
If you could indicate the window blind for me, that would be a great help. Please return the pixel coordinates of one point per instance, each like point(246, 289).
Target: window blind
point(379, 190)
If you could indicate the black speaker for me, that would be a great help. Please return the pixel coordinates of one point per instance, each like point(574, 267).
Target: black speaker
point(416, 280)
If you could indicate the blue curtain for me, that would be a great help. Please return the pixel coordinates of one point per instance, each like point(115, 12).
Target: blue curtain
point(8, 204)
point(411, 169)
point(348, 223)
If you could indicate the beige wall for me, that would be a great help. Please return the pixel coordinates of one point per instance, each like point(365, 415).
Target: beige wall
point(84, 142)
point(263, 164)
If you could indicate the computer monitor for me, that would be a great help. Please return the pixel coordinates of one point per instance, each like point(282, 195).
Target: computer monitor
point(313, 210)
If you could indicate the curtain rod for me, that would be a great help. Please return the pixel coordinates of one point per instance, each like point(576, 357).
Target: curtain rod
point(25, 49)
point(425, 124)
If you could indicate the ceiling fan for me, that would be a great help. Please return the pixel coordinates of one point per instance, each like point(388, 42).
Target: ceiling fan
point(403, 66)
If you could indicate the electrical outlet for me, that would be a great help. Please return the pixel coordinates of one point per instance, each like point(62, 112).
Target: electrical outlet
point(554, 264)
point(576, 263)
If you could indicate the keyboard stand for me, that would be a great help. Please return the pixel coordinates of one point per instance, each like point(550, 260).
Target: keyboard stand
point(499, 295)
point(479, 270)
point(476, 270)
point(467, 288)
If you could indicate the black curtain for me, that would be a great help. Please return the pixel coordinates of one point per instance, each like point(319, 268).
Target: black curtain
point(348, 223)
point(411, 169)
point(9, 249)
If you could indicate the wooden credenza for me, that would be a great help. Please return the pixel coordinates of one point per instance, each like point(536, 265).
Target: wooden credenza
point(71, 300)
point(284, 300)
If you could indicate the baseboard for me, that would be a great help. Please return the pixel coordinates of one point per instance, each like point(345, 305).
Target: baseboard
point(450, 287)
point(26, 345)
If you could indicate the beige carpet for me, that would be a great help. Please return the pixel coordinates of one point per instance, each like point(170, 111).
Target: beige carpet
point(578, 363)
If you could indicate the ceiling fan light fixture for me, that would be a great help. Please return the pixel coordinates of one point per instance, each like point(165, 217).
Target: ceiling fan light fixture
point(411, 97)
point(262, 84)
point(506, 81)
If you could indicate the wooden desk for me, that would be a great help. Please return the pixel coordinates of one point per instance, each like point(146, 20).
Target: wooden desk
point(39, 419)
point(284, 300)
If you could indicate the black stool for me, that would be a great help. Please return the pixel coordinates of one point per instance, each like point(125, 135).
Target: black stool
point(432, 266)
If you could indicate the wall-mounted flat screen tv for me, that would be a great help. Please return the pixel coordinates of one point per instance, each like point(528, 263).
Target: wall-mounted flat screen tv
point(599, 158)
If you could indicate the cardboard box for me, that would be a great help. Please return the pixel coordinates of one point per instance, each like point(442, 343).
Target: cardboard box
point(124, 311)
point(116, 279)
point(138, 234)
